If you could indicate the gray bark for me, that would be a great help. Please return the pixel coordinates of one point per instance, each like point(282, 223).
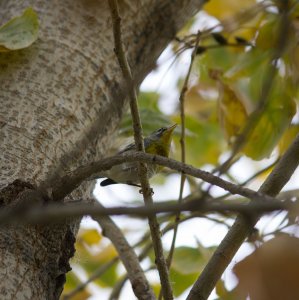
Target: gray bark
point(60, 101)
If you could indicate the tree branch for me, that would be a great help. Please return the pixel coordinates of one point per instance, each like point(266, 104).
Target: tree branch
point(140, 285)
point(70, 181)
point(60, 212)
point(142, 167)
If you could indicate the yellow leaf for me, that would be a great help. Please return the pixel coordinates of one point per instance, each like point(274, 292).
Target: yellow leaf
point(288, 138)
point(232, 112)
point(20, 32)
point(268, 35)
point(224, 9)
point(105, 254)
point(272, 124)
point(195, 103)
point(90, 236)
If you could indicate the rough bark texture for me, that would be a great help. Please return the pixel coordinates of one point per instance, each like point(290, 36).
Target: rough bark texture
point(60, 102)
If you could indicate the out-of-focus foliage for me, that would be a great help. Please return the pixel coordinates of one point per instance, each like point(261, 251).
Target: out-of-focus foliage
point(92, 252)
point(20, 32)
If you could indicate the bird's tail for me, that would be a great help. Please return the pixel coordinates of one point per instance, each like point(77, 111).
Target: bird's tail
point(97, 176)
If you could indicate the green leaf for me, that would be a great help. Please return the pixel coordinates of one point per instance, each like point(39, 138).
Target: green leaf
point(204, 141)
point(72, 282)
point(187, 263)
point(180, 282)
point(151, 116)
point(248, 63)
point(272, 124)
point(187, 260)
point(20, 32)
point(149, 100)
point(221, 58)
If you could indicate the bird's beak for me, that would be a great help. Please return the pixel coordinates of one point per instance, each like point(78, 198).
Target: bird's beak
point(170, 129)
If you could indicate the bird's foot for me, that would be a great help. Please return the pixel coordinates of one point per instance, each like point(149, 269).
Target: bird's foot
point(151, 191)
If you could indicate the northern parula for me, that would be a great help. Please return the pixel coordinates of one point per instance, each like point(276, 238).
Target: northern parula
point(157, 142)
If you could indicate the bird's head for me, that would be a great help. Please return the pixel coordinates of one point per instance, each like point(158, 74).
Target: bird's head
point(159, 141)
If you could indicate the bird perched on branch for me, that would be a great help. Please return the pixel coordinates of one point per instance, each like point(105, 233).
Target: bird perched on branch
point(157, 143)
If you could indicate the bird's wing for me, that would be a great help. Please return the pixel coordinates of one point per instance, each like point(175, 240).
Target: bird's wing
point(131, 146)
point(127, 148)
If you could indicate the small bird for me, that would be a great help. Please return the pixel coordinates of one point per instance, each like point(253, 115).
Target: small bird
point(157, 142)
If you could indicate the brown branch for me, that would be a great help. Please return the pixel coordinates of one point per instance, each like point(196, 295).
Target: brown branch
point(140, 285)
point(69, 182)
point(58, 212)
point(142, 167)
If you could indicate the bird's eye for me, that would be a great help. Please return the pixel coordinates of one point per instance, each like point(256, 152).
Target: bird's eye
point(162, 129)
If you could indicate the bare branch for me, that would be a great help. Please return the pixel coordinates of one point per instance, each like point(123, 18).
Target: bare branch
point(140, 285)
point(142, 167)
point(69, 182)
point(60, 212)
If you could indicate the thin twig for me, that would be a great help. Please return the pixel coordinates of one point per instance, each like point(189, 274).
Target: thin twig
point(251, 178)
point(142, 167)
point(183, 147)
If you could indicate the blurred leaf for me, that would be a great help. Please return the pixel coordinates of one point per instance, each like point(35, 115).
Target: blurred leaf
point(107, 279)
point(204, 141)
point(151, 116)
point(287, 138)
point(220, 58)
point(149, 100)
point(187, 263)
point(90, 236)
point(232, 112)
point(151, 121)
point(225, 9)
point(272, 124)
point(180, 282)
point(197, 105)
point(271, 271)
point(156, 288)
point(91, 260)
point(187, 260)
point(267, 35)
point(20, 32)
point(72, 282)
point(105, 254)
point(248, 63)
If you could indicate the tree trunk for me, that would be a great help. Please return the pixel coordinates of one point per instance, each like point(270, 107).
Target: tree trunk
point(60, 102)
